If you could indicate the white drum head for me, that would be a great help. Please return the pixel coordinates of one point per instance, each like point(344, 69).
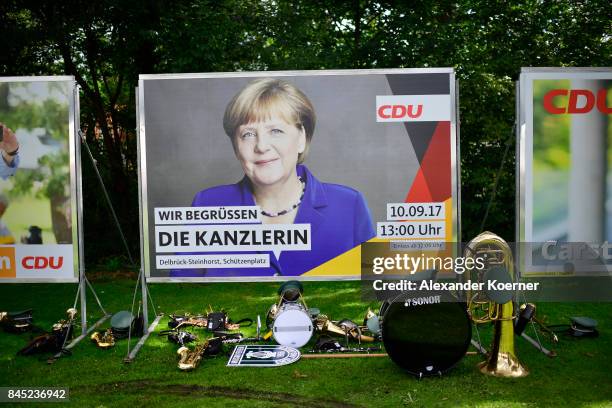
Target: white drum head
point(292, 328)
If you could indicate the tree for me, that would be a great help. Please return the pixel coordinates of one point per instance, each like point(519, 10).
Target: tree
point(106, 44)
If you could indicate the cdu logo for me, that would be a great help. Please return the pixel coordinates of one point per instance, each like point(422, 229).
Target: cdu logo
point(7, 262)
point(413, 108)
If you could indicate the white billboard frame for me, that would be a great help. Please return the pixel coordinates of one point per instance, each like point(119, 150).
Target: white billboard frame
point(142, 159)
point(76, 199)
point(524, 154)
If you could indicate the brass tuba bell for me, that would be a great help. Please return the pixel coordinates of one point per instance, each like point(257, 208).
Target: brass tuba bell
point(494, 306)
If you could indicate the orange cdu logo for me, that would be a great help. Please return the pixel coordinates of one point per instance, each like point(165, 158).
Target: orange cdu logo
point(7, 262)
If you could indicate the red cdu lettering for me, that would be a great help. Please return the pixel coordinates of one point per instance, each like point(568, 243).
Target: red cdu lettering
point(398, 111)
point(548, 101)
point(28, 262)
point(572, 106)
point(602, 94)
point(381, 111)
point(56, 263)
point(41, 262)
point(413, 115)
point(579, 101)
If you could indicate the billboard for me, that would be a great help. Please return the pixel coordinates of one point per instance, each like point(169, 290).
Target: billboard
point(38, 180)
point(564, 172)
point(268, 175)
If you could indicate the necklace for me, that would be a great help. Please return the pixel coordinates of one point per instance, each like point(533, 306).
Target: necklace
point(293, 207)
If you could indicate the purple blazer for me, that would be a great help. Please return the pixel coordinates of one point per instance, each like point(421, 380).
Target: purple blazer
point(338, 216)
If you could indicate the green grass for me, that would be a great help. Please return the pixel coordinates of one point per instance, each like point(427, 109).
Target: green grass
point(578, 377)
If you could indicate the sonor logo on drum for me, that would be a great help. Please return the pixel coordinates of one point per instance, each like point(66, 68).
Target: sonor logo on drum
point(427, 300)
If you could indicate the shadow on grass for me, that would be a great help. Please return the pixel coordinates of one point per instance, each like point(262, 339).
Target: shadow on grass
point(142, 387)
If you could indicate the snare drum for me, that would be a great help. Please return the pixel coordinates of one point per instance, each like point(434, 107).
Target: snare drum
point(292, 325)
point(426, 339)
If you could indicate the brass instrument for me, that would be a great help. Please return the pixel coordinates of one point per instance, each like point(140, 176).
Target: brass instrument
point(189, 359)
point(104, 340)
point(498, 261)
point(196, 321)
point(65, 324)
point(342, 328)
point(71, 313)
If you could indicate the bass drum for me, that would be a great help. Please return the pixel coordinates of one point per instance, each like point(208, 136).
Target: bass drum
point(426, 339)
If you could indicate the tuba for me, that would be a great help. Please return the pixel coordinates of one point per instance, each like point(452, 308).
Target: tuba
point(486, 306)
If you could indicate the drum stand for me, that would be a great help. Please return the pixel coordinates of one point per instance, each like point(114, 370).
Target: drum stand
point(81, 290)
point(83, 281)
point(535, 343)
point(141, 279)
point(478, 346)
point(147, 330)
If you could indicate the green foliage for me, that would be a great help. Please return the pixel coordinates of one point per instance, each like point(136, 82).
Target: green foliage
point(106, 44)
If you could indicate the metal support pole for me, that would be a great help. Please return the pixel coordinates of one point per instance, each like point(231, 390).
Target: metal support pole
point(83, 304)
point(538, 345)
point(478, 346)
point(145, 308)
point(143, 339)
point(79, 210)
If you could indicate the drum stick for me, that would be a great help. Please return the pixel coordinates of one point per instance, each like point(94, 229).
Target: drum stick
point(344, 355)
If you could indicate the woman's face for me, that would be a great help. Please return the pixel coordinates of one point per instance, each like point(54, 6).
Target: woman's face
point(268, 151)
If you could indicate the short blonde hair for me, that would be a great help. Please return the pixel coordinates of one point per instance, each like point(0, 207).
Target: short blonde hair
point(261, 98)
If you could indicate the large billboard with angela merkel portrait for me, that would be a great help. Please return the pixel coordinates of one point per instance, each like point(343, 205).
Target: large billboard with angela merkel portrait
point(270, 175)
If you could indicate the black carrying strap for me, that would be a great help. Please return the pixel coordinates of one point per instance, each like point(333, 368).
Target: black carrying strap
point(241, 321)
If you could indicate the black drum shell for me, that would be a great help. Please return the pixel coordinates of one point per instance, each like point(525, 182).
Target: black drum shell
point(427, 339)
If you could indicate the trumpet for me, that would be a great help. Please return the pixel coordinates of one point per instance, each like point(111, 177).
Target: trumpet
point(189, 359)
